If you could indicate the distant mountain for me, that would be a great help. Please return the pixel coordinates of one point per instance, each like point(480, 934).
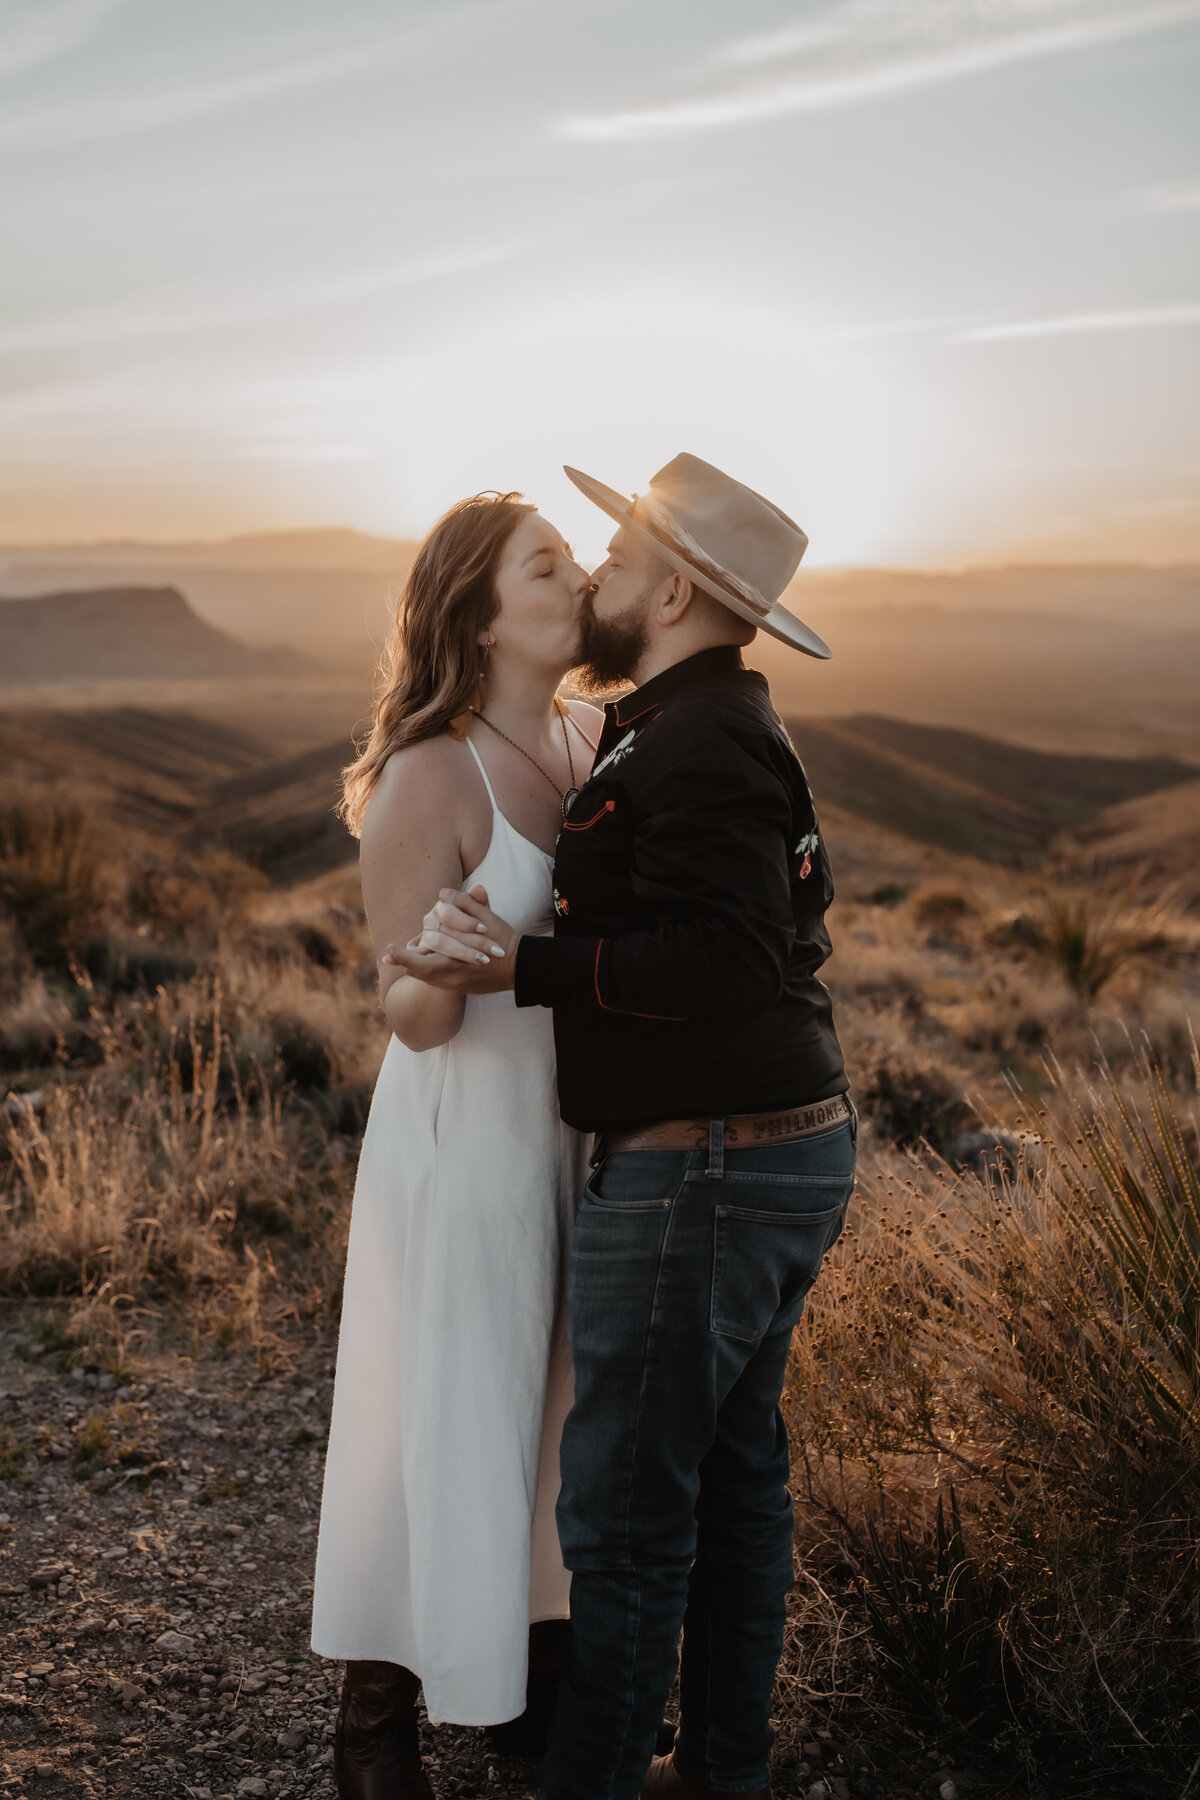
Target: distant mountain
point(326, 547)
point(99, 634)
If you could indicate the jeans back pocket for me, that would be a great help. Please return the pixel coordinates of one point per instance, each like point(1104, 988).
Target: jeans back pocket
point(764, 1264)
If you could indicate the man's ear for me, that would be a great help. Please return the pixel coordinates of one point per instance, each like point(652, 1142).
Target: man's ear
point(676, 599)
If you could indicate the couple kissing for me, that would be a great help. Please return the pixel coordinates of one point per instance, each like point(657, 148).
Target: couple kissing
point(609, 1147)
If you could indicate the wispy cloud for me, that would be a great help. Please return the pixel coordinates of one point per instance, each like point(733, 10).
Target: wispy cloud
point(1172, 313)
point(1173, 196)
point(33, 32)
point(158, 100)
point(864, 50)
point(172, 314)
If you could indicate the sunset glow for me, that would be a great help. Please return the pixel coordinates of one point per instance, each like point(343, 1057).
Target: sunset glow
point(926, 274)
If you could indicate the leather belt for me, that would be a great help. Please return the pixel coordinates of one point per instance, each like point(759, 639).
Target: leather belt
point(747, 1133)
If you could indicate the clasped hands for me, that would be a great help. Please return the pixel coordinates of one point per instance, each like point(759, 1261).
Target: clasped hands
point(463, 946)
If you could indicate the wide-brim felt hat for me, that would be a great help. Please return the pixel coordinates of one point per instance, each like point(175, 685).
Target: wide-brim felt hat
point(734, 544)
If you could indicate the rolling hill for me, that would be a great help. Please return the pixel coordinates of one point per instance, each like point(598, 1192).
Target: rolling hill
point(109, 633)
point(932, 788)
point(1154, 841)
point(999, 801)
point(954, 790)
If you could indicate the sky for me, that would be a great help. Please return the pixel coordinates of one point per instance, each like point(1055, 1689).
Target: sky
point(924, 272)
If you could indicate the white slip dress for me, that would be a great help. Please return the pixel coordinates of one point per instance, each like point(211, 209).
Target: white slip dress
point(437, 1543)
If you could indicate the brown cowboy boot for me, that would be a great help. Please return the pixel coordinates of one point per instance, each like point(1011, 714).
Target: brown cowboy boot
point(664, 1782)
point(376, 1747)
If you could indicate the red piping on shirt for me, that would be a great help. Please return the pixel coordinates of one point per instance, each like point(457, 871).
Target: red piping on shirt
point(664, 1018)
point(585, 824)
point(623, 722)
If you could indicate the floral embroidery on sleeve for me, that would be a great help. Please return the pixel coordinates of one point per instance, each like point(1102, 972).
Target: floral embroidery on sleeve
point(807, 848)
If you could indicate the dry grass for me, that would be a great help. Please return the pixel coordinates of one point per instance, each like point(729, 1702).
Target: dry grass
point(190, 1068)
point(190, 1055)
point(1030, 1346)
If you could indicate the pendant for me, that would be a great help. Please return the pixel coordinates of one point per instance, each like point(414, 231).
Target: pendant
point(568, 800)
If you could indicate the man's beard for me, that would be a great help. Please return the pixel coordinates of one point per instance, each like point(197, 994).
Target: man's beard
point(610, 649)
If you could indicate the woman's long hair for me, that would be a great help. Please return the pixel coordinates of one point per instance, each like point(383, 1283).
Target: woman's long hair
point(434, 662)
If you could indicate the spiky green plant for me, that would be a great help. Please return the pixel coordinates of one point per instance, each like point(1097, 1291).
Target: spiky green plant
point(1090, 936)
point(940, 1630)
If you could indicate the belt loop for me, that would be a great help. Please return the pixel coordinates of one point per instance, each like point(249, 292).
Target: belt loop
point(716, 1150)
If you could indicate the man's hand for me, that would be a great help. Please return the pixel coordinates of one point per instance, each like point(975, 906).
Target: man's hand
point(464, 946)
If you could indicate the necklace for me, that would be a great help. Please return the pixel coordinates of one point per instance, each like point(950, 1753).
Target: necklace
point(567, 798)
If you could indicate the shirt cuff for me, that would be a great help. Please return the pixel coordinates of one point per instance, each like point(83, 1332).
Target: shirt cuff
point(556, 971)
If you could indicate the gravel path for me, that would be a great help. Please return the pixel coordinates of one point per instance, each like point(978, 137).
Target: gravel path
point(156, 1548)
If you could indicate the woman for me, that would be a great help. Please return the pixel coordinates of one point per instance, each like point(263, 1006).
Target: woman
point(437, 1545)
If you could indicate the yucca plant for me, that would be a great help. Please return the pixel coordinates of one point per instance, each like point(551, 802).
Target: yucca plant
point(1090, 936)
point(939, 1628)
point(1133, 1180)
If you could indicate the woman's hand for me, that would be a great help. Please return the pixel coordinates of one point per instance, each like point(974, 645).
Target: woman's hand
point(463, 946)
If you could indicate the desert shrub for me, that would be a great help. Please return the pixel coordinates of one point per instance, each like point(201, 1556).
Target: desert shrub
point(302, 1051)
point(120, 1196)
point(53, 879)
point(913, 1100)
point(318, 946)
point(943, 910)
point(33, 1025)
point(1035, 1338)
point(122, 965)
point(889, 894)
point(189, 893)
point(1089, 937)
point(15, 966)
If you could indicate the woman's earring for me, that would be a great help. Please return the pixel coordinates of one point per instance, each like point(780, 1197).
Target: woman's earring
point(460, 724)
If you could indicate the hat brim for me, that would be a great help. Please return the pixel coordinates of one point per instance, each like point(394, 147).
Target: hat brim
point(779, 622)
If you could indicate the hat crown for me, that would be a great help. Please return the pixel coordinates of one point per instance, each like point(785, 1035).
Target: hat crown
point(737, 528)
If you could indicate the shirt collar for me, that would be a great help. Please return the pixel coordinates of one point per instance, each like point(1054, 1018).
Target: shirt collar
point(721, 659)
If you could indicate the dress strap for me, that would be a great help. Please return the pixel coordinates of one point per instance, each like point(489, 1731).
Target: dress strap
point(491, 794)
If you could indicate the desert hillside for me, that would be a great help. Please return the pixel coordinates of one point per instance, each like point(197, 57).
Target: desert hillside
point(1094, 659)
point(146, 633)
point(958, 791)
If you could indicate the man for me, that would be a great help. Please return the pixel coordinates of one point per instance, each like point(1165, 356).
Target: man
point(694, 1038)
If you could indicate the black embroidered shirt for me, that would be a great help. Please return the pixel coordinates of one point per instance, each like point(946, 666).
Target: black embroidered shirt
point(690, 891)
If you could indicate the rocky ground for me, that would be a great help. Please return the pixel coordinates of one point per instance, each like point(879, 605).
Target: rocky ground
point(156, 1547)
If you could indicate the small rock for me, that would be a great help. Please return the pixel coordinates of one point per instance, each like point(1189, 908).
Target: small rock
point(948, 1791)
point(251, 1785)
point(43, 1769)
point(818, 1791)
point(42, 1668)
point(90, 1627)
point(254, 1684)
point(228, 1684)
point(812, 1753)
point(294, 1738)
point(174, 1643)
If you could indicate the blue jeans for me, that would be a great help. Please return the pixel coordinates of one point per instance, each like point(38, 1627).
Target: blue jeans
point(688, 1273)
